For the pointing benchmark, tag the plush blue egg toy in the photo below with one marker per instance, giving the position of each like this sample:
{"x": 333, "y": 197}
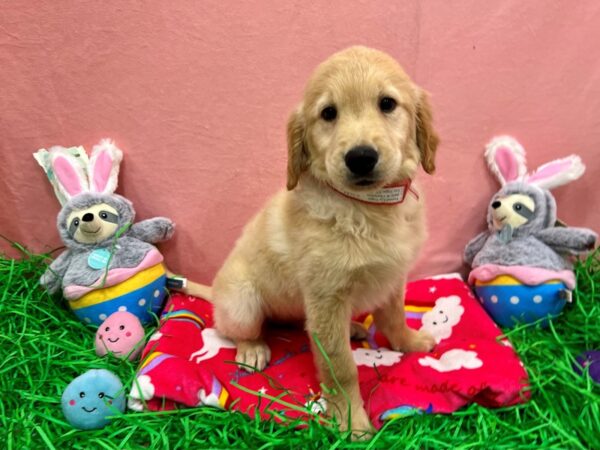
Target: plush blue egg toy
{"x": 91, "y": 398}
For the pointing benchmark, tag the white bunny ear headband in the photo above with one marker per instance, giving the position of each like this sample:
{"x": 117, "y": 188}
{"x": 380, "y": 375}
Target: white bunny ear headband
{"x": 71, "y": 172}
{"x": 506, "y": 159}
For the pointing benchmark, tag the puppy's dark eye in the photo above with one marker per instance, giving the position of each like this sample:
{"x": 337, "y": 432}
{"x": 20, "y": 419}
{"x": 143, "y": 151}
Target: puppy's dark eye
{"x": 387, "y": 104}
{"x": 121, "y": 327}
{"x": 329, "y": 114}
{"x": 101, "y": 395}
{"x": 81, "y": 394}
{"x": 107, "y": 329}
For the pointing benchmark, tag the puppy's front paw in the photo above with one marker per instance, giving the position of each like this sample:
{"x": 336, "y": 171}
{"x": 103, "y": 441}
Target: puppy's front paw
{"x": 359, "y": 422}
{"x": 253, "y": 355}
{"x": 416, "y": 341}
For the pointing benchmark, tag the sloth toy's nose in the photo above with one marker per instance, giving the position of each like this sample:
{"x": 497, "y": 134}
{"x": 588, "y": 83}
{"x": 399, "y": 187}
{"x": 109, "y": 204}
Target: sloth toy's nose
{"x": 495, "y": 205}
{"x": 87, "y": 217}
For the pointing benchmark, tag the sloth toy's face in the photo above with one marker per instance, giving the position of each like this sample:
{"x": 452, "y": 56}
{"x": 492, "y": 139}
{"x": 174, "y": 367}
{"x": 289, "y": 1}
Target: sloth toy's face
{"x": 94, "y": 224}
{"x": 514, "y": 210}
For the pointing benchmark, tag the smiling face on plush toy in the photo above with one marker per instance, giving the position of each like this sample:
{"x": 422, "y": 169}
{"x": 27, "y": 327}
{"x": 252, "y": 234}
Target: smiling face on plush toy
{"x": 91, "y": 398}
{"x": 90, "y": 219}
{"x": 94, "y": 224}
{"x": 121, "y": 334}
{"x": 514, "y": 210}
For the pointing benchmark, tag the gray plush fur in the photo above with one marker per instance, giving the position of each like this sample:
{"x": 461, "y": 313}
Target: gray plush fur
{"x": 128, "y": 249}
{"x": 537, "y": 243}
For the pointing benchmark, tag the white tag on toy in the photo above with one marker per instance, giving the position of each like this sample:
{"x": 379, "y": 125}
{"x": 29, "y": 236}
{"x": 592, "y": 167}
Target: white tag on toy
{"x": 99, "y": 258}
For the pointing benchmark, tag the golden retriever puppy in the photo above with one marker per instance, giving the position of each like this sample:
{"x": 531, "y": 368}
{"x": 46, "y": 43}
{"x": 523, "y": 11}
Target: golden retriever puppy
{"x": 342, "y": 237}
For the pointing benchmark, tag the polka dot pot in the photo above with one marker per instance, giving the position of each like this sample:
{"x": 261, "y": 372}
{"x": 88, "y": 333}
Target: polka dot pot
{"x": 510, "y": 302}
{"x": 141, "y": 295}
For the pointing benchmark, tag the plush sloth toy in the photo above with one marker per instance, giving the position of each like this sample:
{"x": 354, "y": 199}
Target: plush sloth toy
{"x": 521, "y": 266}
{"x": 109, "y": 263}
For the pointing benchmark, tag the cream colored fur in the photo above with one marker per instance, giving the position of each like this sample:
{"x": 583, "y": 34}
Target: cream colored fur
{"x": 311, "y": 254}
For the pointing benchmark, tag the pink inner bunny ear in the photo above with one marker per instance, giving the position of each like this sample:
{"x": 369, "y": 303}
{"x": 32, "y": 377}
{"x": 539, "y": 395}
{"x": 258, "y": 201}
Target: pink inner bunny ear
{"x": 104, "y": 167}
{"x": 506, "y": 159}
{"x": 557, "y": 172}
{"x": 101, "y": 174}
{"x": 549, "y": 170}
{"x": 67, "y": 175}
{"x": 507, "y": 164}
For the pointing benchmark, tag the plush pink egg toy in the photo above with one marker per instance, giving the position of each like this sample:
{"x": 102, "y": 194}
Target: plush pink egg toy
{"x": 121, "y": 334}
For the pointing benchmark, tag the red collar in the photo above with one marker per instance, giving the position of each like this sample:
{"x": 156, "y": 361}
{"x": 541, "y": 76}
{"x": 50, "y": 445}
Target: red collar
{"x": 391, "y": 194}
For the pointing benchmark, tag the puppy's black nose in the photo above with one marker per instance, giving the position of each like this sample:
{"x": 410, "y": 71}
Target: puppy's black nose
{"x": 361, "y": 159}
{"x": 496, "y": 204}
{"x": 87, "y": 217}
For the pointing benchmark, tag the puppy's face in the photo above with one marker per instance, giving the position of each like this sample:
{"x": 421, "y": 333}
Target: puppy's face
{"x": 362, "y": 125}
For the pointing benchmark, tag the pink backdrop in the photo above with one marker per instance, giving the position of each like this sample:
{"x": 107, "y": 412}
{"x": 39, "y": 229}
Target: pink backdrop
{"x": 197, "y": 94}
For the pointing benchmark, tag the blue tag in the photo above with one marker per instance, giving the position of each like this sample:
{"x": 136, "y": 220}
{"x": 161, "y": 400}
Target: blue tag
{"x": 98, "y": 259}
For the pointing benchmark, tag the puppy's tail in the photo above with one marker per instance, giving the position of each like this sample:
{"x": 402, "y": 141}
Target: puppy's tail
{"x": 182, "y": 284}
{"x": 198, "y": 290}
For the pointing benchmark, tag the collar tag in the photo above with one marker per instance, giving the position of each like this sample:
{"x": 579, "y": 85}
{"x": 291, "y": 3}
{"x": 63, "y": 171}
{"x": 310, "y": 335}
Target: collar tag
{"x": 388, "y": 195}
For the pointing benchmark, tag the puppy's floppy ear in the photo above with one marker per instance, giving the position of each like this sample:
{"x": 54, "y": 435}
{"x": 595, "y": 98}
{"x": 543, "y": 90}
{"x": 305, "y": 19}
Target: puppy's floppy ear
{"x": 297, "y": 153}
{"x": 427, "y": 138}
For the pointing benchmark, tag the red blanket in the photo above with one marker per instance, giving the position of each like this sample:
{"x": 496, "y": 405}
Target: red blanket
{"x": 186, "y": 363}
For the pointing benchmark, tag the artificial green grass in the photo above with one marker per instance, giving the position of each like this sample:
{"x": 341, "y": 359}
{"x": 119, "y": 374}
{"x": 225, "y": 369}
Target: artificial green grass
{"x": 43, "y": 347}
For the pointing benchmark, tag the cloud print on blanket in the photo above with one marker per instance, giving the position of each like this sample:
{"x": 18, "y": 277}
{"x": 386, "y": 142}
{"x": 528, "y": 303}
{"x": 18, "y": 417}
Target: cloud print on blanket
{"x": 375, "y": 357}
{"x": 212, "y": 343}
{"x": 142, "y": 391}
{"x": 454, "y": 359}
{"x": 445, "y": 314}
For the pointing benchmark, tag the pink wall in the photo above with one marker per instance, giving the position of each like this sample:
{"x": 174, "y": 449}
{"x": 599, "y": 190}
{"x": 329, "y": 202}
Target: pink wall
{"x": 197, "y": 94}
